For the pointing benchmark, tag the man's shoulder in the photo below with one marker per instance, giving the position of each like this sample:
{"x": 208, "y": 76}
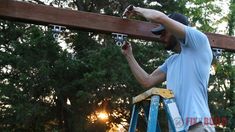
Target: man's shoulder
{"x": 195, "y": 31}
{"x": 195, "y": 39}
{"x": 172, "y": 57}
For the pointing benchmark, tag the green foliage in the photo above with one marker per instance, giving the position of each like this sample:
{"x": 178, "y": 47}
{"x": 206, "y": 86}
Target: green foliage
{"x": 26, "y": 60}
{"x": 38, "y": 78}
{"x": 222, "y": 95}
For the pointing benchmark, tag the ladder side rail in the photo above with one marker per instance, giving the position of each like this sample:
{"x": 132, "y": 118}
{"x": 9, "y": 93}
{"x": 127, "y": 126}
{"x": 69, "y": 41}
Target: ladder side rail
{"x": 153, "y": 114}
{"x": 134, "y": 118}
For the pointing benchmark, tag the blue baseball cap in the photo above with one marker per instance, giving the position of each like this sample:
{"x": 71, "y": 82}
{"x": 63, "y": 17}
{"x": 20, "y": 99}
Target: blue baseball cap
{"x": 175, "y": 16}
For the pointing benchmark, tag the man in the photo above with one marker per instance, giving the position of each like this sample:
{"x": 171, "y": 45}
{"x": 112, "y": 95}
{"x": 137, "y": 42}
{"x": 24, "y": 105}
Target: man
{"x": 186, "y": 72}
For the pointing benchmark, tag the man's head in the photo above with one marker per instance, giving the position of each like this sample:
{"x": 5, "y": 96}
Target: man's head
{"x": 165, "y": 35}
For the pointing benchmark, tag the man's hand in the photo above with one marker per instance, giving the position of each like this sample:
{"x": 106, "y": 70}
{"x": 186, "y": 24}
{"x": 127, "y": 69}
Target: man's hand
{"x": 126, "y": 49}
{"x": 129, "y": 11}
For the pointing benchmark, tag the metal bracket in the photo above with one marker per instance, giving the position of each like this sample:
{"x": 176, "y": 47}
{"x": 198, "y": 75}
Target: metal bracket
{"x": 56, "y": 29}
{"x": 217, "y": 52}
{"x": 119, "y": 38}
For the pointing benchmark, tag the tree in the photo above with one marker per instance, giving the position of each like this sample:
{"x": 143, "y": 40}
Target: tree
{"x": 223, "y": 84}
{"x": 27, "y": 57}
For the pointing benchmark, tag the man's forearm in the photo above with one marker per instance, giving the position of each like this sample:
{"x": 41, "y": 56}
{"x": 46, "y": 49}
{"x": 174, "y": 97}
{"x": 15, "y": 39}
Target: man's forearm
{"x": 150, "y": 14}
{"x": 139, "y": 73}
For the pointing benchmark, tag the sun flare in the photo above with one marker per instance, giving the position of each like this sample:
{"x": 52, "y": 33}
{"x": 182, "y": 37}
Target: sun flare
{"x": 102, "y": 115}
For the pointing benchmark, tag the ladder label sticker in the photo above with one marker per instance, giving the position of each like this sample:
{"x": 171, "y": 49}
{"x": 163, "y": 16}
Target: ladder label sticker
{"x": 175, "y": 116}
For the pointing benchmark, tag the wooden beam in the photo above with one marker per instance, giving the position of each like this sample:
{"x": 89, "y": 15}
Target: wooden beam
{"x": 222, "y": 41}
{"x": 46, "y": 15}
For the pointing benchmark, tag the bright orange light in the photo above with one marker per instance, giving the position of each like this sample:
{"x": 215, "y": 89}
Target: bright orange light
{"x": 117, "y": 128}
{"x": 102, "y": 115}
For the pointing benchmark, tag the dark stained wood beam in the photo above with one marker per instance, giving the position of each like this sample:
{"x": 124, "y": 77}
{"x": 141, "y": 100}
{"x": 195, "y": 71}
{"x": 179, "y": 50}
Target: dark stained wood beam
{"x": 222, "y": 41}
{"x": 46, "y": 15}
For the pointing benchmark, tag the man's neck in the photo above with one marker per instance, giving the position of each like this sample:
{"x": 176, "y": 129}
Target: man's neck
{"x": 177, "y": 48}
